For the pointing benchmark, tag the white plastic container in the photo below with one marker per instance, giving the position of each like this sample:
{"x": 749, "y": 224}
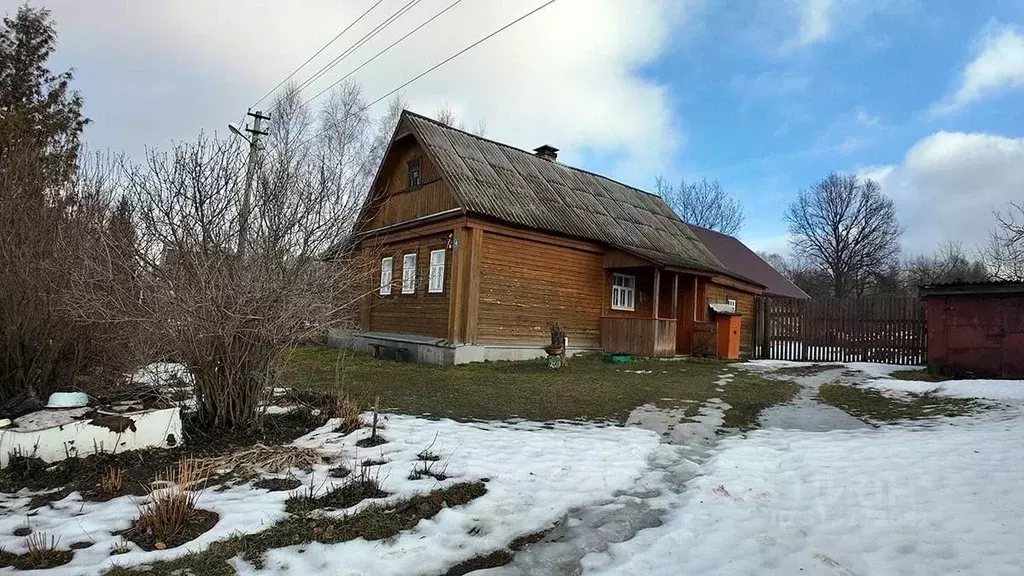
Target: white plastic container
{"x": 68, "y": 400}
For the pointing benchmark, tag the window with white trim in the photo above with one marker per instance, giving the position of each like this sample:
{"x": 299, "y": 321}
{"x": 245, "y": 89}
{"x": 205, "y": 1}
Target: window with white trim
{"x": 386, "y": 275}
{"x": 409, "y": 273}
{"x": 436, "y": 283}
{"x": 623, "y": 292}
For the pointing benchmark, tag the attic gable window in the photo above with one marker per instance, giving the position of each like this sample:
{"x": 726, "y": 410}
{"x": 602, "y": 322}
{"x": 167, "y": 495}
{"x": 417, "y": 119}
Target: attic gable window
{"x": 623, "y": 292}
{"x": 414, "y": 174}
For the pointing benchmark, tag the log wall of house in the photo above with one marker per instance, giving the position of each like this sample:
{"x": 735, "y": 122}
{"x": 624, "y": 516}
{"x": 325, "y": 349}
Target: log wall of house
{"x": 719, "y": 293}
{"x": 643, "y": 298}
{"x": 421, "y": 313}
{"x": 394, "y": 202}
{"x": 527, "y": 284}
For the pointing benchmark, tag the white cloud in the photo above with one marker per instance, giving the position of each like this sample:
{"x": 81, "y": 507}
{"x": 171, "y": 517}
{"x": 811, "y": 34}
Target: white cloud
{"x": 814, "y": 21}
{"x": 569, "y": 76}
{"x": 865, "y": 119}
{"x": 998, "y": 65}
{"x": 948, "y": 185}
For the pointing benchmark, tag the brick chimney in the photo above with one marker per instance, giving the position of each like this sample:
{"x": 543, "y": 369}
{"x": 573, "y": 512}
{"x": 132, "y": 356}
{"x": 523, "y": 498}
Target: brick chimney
{"x": 549, "y": 153}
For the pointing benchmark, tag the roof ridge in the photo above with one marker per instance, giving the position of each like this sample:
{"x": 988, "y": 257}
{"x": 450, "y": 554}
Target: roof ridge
{"x": 511, "y": 147}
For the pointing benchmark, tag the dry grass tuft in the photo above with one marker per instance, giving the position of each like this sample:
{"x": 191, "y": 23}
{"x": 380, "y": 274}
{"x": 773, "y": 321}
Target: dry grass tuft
{"x": 171, "y": 517}
{"x": 347, "y": 410}
{"x": 112, "y": 481}
{"x": 42, "y": 553}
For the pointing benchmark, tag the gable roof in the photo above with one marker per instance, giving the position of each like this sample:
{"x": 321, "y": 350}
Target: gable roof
{"x": 515, "y": 186}
{"x": 742, "y": 260}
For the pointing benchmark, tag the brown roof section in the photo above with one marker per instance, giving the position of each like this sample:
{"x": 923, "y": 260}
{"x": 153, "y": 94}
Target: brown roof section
{"x": 741, "y": 260}
{"x": 515, "y": 186}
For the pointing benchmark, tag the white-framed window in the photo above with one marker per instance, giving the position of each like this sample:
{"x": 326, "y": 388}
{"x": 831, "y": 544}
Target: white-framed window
{"x": 623, "y": 292}
{"x": 409, "y": 273}
{"x": 436, "y": 283}
{"x": 386, "y": 275}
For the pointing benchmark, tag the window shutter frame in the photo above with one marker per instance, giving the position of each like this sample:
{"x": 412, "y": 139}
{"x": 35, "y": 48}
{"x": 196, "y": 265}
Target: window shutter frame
{"x": 387, "y": 275}
{"x": 435, "y": 283}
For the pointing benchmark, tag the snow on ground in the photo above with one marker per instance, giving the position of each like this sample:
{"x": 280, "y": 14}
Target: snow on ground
{"x": 1002, "y": 390}
{"x": 536, "y": 474}
{"x": 938, "y": 500}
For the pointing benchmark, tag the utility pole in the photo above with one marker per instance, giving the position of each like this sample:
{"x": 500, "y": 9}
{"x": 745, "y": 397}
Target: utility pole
{"x": 250, "y": 173}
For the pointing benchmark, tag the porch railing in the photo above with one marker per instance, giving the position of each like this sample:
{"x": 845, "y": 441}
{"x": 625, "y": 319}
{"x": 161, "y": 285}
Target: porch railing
{"x": 639, "y": 336}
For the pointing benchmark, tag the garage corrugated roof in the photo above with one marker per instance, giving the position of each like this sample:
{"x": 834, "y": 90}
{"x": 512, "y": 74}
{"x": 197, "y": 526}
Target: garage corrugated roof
{"x": 496, "y": 180}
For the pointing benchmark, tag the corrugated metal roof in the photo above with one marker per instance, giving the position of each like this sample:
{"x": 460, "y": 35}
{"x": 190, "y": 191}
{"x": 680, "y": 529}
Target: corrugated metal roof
{"x": 516, "y": 186}
{"x": 742, "y": 261}
{"x": 972, "y": 288}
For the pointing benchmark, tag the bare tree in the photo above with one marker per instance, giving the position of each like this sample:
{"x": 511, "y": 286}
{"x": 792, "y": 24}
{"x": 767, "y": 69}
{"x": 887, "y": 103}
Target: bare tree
{"x": 703, "y": 203}
{"x": 950, "y": 264}
{"x": 1004, "y": 254}
{"x": 229, "y": 315}
{"x": 445, "y": 115}
{"x": 846, "y": 228}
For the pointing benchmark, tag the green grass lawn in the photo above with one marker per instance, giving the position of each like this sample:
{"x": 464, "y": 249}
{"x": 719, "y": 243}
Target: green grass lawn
{"x": 873, "y": 405}
{"x": 587, "y": 388}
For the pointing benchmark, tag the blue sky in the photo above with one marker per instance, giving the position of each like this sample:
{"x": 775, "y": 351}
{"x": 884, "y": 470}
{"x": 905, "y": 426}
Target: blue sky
{"x": 767, "y": 96}
{"x": 767, "y": 118}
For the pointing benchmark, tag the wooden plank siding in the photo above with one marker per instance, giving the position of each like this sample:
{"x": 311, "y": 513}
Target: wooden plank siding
{"x": 393, "y": 202}
{"x": 643, "y": 336}
{"x": 420, "y": 313}
{"x": 643, "y": 305}
{"x": 526, "y": 284}
{"x": 717, "y": 293}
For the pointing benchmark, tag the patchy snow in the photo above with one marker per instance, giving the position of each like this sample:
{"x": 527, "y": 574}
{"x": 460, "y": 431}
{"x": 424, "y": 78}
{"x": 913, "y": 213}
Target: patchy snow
{"x": 163, "y": 374}
{"x": 1001, "y": 390}
{"x": 49, "y": 418}
{"x": 900, "y": 500}
{"x": 536, "y": 473}
{"x": 876, "y": 370}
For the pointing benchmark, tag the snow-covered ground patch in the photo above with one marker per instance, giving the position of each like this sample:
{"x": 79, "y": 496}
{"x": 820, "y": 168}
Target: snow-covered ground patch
{"x": 943, "y": 499}
{"x": 535, "y": 474}
{"x": 1000, "y": 390}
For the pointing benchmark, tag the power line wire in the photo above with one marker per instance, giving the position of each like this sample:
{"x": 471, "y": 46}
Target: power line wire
{"x": 318, "y": 52}
{"x": 463, "y": 51}
{"x": 358, "y": 44}
{"x": 382, "y": 52}
{"x": 445, "y": 61}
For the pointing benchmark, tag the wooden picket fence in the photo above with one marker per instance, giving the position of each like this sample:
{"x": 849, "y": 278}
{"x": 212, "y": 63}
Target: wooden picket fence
{"x": 887, "y": 329}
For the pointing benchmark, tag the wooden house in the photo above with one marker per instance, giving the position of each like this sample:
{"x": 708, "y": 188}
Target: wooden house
{"x": 479, "y": 247}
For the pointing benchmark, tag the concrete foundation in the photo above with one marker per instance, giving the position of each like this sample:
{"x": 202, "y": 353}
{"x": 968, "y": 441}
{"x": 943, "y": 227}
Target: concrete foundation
{"x": 427, "y": 350}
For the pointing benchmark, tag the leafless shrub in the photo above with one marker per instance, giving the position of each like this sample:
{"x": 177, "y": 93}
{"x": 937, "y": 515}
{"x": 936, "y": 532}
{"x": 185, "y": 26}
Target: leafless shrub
{"x": 227, "y": 302}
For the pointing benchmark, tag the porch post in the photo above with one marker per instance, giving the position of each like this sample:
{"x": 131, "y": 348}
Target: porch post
{"x": 657, "y": 291}
{"x": 675, "y": 295}
{"x": 694, "y": 311}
